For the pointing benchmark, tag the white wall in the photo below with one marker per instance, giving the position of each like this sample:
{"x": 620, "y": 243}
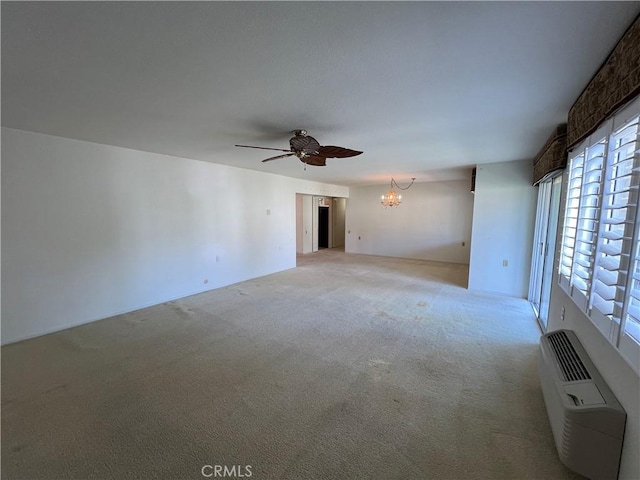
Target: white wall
{"x": 623, "y": 381}
{"x": 92, "y": 230}
{"x": 503, "y": 224}
{"x": 431, "y": 224}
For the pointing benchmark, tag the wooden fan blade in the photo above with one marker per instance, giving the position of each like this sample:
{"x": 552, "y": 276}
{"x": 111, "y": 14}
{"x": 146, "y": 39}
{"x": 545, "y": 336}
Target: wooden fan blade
{"x": 264, "y": 148}
{"x": 331, "y": 151}
{"x": 277, "y": 157}
{"x": 304, "y": 144}
{"x": 314, "y": 160}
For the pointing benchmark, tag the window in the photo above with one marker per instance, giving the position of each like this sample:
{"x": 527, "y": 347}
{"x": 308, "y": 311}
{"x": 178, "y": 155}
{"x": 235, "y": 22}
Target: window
{"x": 599, "y": 263}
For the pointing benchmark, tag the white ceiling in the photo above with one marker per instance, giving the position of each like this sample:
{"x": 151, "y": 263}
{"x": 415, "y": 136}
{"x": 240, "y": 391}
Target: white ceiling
{"x": 425, "y": 89}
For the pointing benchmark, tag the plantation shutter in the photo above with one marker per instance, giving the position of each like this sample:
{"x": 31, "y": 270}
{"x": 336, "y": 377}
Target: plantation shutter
{"x": 588, "y": 214}
{"x": 632, "y": 319}
{"x": 628, "y": 157}
{"x": 576, "y": 166}
{"x": 599, "y": 265}
{"x": 617, "y": 224}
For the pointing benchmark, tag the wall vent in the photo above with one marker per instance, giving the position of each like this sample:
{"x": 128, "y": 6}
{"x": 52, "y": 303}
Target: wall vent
{"x": 568, "y": 360}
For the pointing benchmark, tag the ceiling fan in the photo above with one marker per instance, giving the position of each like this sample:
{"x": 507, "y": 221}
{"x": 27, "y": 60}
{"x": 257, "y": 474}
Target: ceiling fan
{"x": 308, "y": 150}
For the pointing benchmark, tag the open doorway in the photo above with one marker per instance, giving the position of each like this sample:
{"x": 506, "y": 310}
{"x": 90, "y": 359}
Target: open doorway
{"x": 320, "y": 223}
{"x": 323, "y": 226}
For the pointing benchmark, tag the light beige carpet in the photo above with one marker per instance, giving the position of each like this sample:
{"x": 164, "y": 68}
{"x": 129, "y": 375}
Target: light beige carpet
{"x": 347, "y": 367}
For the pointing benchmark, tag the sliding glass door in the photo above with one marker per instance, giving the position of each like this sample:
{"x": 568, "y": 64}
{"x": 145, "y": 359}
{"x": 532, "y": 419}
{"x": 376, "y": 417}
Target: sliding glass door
{"x": 543, "y": 247}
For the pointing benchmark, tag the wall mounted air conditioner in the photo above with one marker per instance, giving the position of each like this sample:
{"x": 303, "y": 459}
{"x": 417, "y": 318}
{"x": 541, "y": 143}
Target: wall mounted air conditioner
{"x": 586, "y": 419}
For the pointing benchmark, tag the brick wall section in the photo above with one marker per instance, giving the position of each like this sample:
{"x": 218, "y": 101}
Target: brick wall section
{"x": 553, "y": 155}
{"x": 616, "y": 82}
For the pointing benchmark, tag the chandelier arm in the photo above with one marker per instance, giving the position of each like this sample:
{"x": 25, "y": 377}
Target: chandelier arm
{"x": 399, "y": 187}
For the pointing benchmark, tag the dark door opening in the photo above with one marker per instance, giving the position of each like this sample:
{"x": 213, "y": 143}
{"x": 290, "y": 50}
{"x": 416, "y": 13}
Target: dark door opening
{"x": 323, "y": 227}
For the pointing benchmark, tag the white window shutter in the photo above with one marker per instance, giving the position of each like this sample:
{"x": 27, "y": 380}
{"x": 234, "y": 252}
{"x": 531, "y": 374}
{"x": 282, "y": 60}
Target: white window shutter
{"x": 574, "y": 187}
{"x": 599, "y": 263}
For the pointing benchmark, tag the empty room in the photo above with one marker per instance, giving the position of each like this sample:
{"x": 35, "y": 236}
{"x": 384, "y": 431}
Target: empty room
{"x": 320, "y": 240}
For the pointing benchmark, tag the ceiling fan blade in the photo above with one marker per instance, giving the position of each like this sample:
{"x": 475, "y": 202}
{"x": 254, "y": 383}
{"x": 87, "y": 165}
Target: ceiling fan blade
{"x": 277, "y": 157}
{"x": 264, "y": 148}
{"x": 331, "y": 151}
{"x": 314, "y": 160}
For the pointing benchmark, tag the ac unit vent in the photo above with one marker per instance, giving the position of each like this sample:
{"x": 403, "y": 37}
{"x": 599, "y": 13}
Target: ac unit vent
{"x": 569, "y": 361}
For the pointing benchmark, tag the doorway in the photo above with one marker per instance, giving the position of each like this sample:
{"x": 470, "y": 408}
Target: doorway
{"x": 323, "y": 226}
{"x": 544, "y": 247}
{"x": 320, "y": 223}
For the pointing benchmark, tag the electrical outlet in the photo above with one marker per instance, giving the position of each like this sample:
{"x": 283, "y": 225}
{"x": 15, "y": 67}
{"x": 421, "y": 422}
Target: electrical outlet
{"x": 505, "y": 263}
{"x": 562, "y": 314}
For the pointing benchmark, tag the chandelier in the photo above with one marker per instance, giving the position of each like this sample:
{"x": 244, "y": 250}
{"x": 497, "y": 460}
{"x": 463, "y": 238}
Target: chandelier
{"x": 391, "y": 198}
